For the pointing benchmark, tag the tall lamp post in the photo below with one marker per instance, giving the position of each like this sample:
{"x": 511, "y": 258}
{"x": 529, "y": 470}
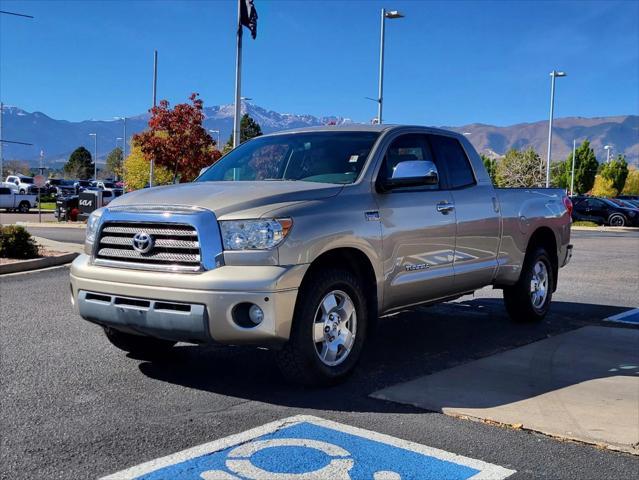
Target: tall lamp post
{"x": 607, "y": 148}
{"x": 572, "y": 175}
{"x": 217, "y": 132}
{"x": 123, "y": 144}
{"x": 95, "y": 155}
{"x": 391, "y": 14}
{"x": 554, "y": 74}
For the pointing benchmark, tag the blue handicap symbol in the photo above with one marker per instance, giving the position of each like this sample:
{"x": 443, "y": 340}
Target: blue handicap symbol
{"x": 321, "y": 450}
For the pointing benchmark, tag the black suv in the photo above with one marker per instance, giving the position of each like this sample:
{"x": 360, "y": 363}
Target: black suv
{"x": 603, "y": 211}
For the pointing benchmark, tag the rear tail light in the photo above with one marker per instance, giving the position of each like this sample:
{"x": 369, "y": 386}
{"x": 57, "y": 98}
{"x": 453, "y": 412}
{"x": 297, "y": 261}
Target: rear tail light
{"x": 568, "y": 205}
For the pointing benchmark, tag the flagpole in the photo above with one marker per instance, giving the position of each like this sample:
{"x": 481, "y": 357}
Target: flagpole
{"x": 238, "y": 78}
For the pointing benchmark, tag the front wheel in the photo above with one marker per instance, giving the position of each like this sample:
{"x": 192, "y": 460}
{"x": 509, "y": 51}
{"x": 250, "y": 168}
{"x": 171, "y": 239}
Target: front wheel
{"x": 138, "y": 345}
{"x": 617, "y": 220}
{"x": 529, "y": 299}
{"x": 329, "y": 328}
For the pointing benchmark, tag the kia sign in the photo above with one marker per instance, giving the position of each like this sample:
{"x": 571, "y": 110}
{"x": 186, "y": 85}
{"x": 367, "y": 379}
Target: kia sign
{"x": 89, "y": 201}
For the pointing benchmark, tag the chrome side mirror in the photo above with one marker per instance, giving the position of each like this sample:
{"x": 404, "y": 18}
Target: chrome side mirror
{"x": 413, "y": 173}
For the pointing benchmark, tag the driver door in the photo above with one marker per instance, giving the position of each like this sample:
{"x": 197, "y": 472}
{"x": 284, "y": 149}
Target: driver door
{"x": 418, "y": 233}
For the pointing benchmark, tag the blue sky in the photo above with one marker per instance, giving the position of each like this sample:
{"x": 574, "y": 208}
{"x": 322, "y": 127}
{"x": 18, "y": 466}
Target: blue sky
{"x": 447, "y": 63}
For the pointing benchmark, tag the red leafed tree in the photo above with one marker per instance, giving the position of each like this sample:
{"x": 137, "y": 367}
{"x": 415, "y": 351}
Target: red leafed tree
{"x": 177, "y": 140}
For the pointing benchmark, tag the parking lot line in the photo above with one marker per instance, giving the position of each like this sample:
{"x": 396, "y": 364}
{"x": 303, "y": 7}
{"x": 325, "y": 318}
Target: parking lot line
{"x": 629, "y": 316}
{"x": 306, "y": 447}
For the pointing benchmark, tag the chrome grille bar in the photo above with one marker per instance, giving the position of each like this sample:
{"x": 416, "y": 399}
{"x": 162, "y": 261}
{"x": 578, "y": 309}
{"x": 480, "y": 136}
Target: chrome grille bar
{"x": 160, "y": 242}
{"x": 171, "y": 231}
{"x": 121, "y": 253}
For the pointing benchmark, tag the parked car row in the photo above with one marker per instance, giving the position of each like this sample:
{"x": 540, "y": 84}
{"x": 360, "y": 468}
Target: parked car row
{"x": 615, "y": 212}
{"x": 22, "y": 184}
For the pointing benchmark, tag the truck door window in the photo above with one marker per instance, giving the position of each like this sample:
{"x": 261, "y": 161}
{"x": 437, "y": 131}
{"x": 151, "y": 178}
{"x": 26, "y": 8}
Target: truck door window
{"x": 406, "y": 148}
{"x": 5, "y": 191}
{"x": 449, "y": 152}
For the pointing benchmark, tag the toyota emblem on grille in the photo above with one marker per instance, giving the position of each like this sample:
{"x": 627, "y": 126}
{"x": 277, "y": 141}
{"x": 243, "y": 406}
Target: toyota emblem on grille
{"x": 142, "y": 242}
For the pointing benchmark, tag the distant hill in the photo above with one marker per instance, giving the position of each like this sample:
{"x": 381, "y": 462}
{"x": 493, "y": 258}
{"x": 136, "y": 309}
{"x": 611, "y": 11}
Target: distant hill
{"x": 622, "y": 132}
{"x": 58, "y": 138}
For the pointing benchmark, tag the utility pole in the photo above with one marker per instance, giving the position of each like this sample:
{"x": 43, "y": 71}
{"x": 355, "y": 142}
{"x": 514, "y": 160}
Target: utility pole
{"x": 1, "y": 143}
{"x": 553, "y": 75}
{"x": 572, "y": 176}
{"x": 238, "y": 78}
{"x": 155, "y": 86}
{"x": 380, "y": 92}
{"x": 95, "y": 155}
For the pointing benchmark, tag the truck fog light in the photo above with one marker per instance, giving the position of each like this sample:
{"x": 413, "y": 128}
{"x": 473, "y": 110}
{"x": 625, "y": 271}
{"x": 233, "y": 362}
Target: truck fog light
{"x": 256, "y": 314}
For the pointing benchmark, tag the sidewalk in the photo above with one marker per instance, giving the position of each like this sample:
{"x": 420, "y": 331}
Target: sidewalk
{"x": 582, "y": 385}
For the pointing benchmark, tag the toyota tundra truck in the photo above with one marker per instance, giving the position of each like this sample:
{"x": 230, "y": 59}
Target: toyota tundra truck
{"x": 300, "y": 240}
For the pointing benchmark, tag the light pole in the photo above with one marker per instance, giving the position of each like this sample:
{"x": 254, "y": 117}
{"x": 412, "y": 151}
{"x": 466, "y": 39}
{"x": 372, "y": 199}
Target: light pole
{"x": 218, "y": 137}
{"x": 123, "y": 145}
{"x": 572, "y": 175}
{"x": 553, "y": 75}
{"x": 380, "y": 93}
{"x": 95, "y": 155}
{"x": 607, "y": 148}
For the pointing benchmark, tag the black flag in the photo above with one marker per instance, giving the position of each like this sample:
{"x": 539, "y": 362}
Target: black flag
{"x": 248, "y": 16}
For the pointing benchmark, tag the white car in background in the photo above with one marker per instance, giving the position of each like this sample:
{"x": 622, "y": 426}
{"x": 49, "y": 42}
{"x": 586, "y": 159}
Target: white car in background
{"x": 23, "y": 183}
{"x": 12, "y": 201}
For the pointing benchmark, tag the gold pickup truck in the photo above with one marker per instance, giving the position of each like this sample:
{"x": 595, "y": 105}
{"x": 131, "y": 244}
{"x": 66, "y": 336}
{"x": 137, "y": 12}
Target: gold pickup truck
{"x": 300, "y": 240}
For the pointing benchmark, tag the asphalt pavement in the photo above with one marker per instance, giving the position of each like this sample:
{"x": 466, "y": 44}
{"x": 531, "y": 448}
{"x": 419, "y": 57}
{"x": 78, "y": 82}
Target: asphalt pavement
{"x": 73, "y": 406}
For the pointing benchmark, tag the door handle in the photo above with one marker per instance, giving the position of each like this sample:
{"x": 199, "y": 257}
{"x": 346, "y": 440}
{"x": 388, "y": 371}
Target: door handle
{"x": 445, "y": 207}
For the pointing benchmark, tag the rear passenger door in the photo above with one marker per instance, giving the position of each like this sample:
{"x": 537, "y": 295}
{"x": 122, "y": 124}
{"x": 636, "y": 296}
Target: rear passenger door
{"x": 477, "y": 216}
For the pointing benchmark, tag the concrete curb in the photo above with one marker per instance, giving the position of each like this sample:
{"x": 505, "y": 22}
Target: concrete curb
{"x": 37, "y": 263}
{"x": 607, "y": 229}
{"x": 52, "y": 224}
{"x": 71, "y": 250}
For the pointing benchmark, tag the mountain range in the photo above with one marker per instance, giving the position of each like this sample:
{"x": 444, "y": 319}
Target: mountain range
{"x": 58, "y": 138}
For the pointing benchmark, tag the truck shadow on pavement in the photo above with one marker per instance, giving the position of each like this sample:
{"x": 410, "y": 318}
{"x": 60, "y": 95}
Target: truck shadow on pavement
{"x": 408, "y": 345}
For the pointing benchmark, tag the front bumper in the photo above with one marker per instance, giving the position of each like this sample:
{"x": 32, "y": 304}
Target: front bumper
{"x": 188, "y": 307}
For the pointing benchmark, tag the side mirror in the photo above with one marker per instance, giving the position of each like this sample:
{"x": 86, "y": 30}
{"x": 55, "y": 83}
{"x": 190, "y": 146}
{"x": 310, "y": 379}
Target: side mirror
{"x": 412, "y": 173}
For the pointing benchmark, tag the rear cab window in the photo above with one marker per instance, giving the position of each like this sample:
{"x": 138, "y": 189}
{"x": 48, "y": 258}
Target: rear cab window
{"x": 452, "y": 156}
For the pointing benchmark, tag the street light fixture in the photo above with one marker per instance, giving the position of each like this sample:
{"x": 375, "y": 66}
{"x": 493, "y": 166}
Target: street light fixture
{"x": 607, "y": 148}
{"x": 218, "y": 137}
{"x": 95, "y": 155}
{"x": 554, "y": 74}
{"x": 390, "y": 14}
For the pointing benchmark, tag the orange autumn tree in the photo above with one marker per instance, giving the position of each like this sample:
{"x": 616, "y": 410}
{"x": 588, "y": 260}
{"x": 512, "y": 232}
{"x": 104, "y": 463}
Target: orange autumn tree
{"x": 177, "y": 140}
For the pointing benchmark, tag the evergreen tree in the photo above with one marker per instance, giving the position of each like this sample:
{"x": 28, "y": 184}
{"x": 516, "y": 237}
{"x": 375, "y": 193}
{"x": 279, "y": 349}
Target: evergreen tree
{"x": 249, "y": 128}
{"x": 80, "y": 164}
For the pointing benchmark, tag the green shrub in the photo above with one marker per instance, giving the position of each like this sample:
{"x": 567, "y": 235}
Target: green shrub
{"x": 16, "y": 242}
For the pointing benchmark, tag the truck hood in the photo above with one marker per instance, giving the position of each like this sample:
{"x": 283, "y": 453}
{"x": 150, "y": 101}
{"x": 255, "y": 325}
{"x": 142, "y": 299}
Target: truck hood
{"x": 224, "y": 198}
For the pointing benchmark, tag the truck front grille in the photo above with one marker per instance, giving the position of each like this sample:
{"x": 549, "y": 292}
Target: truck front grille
{"x": 175, "y": 247}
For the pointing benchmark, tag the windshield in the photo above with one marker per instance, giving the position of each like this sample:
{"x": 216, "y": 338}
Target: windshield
{"x": 328, "y": 157}
{"x": 28, "y": 180}
{"x": 109, "y": 185}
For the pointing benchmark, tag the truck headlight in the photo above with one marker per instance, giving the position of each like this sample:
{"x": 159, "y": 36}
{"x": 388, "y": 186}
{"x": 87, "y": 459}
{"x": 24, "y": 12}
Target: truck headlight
{"x": 259, "y": 234}
{"x": 93, "y": 224}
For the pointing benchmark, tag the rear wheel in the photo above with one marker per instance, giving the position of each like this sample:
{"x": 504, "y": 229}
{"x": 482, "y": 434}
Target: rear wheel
{"x": 328, "y": 329}
{"x": 24, "y": 207}
{"x": 529, "y": 299}
{"x": 138, "y": 345}
{"x": 617, "y": 220}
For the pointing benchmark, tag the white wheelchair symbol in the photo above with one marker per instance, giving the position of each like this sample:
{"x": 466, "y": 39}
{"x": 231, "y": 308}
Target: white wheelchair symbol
{"x": 239, "y": 462}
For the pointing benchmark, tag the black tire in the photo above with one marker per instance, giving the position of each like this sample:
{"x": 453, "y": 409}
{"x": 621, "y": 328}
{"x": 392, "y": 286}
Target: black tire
{"x": 138, "y": 345}
{"x": 617, "y": 220}
{"x": 299, "y": 360}
{"x": 519, "y": 300}
{"x": 24, "y": 207}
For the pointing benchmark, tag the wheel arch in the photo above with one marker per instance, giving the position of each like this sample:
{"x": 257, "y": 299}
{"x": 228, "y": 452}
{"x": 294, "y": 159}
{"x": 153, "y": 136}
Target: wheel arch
{"x": 546, "y": 238}
{"x": 357, "y": 262}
